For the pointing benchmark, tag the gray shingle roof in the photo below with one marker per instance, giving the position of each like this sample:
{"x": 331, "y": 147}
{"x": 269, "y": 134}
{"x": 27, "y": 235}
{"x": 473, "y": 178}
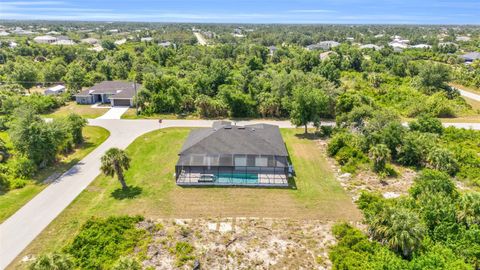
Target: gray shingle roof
{"x": 471, "y": 56}
{"x": 120, "y": 89}
{"x": 225, "y": 139}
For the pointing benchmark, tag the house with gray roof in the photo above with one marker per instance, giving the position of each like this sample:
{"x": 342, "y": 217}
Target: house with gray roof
{"x": 470, "y": 57}
{"x": 117, "y": 93}
{"x": 231, "y": 155}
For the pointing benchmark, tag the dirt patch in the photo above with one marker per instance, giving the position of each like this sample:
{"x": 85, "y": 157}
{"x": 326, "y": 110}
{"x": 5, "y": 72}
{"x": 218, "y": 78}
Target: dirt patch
{"x": 367, "y": 180}
{"x": 240, "y": 243}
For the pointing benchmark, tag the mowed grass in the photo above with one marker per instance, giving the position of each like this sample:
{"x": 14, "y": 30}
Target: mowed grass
{"x": 13, "y": 200}
{"x": 72, "y": 107}
{"x": 155, "y": 195}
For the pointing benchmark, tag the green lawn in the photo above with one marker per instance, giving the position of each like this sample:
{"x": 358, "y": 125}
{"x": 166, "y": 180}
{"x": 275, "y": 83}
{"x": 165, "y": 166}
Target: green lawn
{"x": 72, "y": 107}
{"x": 13, "y": 200}
{"x": 155, "y": 195}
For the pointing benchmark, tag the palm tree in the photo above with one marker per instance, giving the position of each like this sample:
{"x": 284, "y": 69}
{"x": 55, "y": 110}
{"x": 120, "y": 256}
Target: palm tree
{"x": 114, "y": 162}
{"x": 380, "y": 154}
{"x": 399, "y": 229}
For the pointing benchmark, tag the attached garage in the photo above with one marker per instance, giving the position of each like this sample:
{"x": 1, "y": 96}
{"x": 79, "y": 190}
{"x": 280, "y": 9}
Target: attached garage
{"x": 121, "y": 102}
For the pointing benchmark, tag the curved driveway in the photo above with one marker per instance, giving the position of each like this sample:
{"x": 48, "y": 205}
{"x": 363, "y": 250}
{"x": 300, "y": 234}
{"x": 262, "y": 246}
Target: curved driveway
{"x": 22, "y": 227}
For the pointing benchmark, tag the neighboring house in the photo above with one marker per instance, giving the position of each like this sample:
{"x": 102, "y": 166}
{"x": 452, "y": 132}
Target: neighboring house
{"x": 326, "y": 55}
{"x": 272, "y": 50}
{"x": 55, "y": 90}
{"x": 45, "y": 39}
{"x": 470, "y": 57}
{"x": 421, "y": 46}
{"x": 91, "y": 41}
{"x": 146, "y": 39}
{"x": 64, "y": 42}
{"x": 324, "y": 45}
{"x": 166, "y": 44}
{"x": 370, "y": 46}
{"x": 117, "y": 93}
{"x": 463, "y": 38}
{"x": 120, "y": 41}
{"x": 4, "y": 33}
{"x": 398, "y": 44}
{"x": 231, "y": 155}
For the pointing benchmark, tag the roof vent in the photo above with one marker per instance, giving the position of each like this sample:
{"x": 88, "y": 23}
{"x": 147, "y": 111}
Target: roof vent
{"x": 253, "y": 129}
{"x": 241, "y": 127}
{"x": 228, "y": 127}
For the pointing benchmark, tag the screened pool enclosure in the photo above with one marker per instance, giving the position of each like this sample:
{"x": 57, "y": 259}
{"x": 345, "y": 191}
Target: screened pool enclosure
{"x": 226, "y": 155}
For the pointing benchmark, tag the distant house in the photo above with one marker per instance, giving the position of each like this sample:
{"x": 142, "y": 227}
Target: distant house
{"x": 4, "y": 33}
{"x": 326, "y": 55}
{"x": 117, "y": 93}
{"x": 324, "y": 45}
{"x": 230, "y": 155}
{"x": 166, "y": 44}
{"x": 146, "y": 39}
{"x": 370, "y": 46}
{"x": 421, "y": 46}
{"x": 470, "y": 57}
{"x": 272, "y": 50}
{"x": 45, "y": 39}
{"x": 91, "y": 41}
{"x": 120, "y": 41}
{"x": 463, "y": 38}
{"x": 65, "y": 42}
{"x": 398, "y": 45}
{"x": 55, "y": 90}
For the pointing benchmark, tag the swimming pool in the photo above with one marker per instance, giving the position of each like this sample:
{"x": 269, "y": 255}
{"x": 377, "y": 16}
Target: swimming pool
{"x": 236, "y": 178}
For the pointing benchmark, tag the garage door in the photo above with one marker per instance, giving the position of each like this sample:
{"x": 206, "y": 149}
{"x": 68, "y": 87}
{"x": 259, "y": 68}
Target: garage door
{"x": 121, "y": 102}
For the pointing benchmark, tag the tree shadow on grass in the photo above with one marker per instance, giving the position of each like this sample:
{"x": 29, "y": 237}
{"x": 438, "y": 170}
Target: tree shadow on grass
{"x": 129, "y": 193}
{"x": 307, "y": 136}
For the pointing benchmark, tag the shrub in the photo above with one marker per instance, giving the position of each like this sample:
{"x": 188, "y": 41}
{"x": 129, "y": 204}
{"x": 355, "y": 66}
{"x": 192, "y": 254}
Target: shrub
{"x": 431, "y": 181}
{"x": 427, "y": 123}
{"x": 127, "y": 263}
{"x": 54, "y": 261}
{"x": 22, "y": 167}
{"x": 101, "y": 242}
{"x": 338, "y": 141}
{"x": 183, "y": 253}
{"x": 442, "y": 160}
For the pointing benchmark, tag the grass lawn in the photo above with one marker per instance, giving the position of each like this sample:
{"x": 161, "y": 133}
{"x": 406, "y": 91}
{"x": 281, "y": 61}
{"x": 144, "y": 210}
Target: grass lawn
{"x": 13, "y": 200}
{"x": 154, "y": 193}
{"x": 72, "y": 107}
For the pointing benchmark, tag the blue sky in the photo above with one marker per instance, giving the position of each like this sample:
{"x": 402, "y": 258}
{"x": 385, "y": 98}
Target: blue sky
{"x": 250, "y": 11}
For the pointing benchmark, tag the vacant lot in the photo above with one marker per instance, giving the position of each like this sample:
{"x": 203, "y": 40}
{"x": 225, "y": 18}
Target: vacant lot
{"x": 154, "y": 194}
{"x": 84, "y": 110}
{"x": 11, "y": 201}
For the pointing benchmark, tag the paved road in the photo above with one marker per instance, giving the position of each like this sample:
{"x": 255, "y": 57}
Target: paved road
{"x": 22, "y": 227}
{"x": 468, "y": 94}
{"x": 114, "y": 113}
{"x": 201, "y": 40}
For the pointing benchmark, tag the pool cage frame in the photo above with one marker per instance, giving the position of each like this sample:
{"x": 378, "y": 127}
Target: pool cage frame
{"x": 232, "y": 170}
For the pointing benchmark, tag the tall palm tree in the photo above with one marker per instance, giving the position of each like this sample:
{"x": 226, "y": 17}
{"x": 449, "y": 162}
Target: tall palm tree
{"x": 380, "y": 154}
{"x": 114, "y": 162}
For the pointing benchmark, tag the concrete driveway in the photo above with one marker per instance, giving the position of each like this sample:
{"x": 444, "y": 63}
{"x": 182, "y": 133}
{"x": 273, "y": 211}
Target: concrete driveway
{"x": 23, "y": 226}
{"x": 114, "y": 113}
